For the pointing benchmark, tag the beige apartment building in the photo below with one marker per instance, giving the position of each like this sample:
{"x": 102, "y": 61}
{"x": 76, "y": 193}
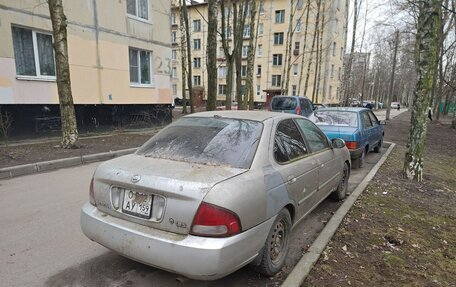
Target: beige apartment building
{"x": 119, "y": 56}
{"x": 270, "y": 51}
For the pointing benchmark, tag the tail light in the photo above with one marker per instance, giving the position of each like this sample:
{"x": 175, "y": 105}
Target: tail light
{"x": 91, "y": 194}
{"x": 298, "y": 110}
{"x": 351, "y": 145}
{"x": 214, "y": 221}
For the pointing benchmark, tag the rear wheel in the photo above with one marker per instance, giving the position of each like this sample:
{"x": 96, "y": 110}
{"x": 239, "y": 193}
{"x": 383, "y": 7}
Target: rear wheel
{"x": 359, "y": 162}
{"x": 379, "y": 146}
{"x": 341, "y": 192}
{"x": 275, "y": 249}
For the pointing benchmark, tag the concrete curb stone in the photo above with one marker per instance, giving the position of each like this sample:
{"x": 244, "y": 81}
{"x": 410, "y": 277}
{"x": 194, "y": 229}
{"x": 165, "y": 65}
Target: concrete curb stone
{"x": 25, "y": 169}
{"x": 308, "y": 260}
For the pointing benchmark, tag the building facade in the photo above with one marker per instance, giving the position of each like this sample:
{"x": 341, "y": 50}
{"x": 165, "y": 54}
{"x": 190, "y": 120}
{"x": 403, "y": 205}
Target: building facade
{"x": 325, "y": 73}
{"x": 119, "y": 56}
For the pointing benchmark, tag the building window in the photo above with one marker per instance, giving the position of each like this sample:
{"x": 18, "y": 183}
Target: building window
{"x": 243, "y": 71}
{"x": 197, "y": 80}
{"x": 174, "y": 73}
{"x": 279, "y": 16}
{"x": 222, "y": 90}
{"x": 295, "y": 69}
{"x": 262, "y": 7}
{"x": 276, "y": 79}
{"x": 300, "y": 4}
{"x": 227, "y": 32}
{"x": 222, "y": 72}
{"x": 245, "y": 51}
{"x": 247, "y": 31}
{"x": 330, "y": 91}
{"x": 334, "y": 49}
{"x": 293, "y": 90}
{"x": 140, "y": 68}
{"x": 173, "y": 37}
{"x": 221, "y": 53}
{"x": 297, "y": 44}
{"x": 173, "y": 18}
{"x": 196, "y": 25}
{"x": 138, "y": 8}
{"x": 341, "y": 53}
{"x": 332, "y": 71}
{"x": 174, "y": 89}
{"x": 277, "y": 59}
{"x": 278, "y": 38}
{"x": 197, "y": 63}
{"x": 260, "y": 29}
{"x": 174, "y": 54}
{"x": 298, "y": 26}
{"x": 33, "y": 53}
{"x": 260, "y": 50}
{"x": 259, "y": 70}
{"x": 258, "y": 90}
{"x": 197, "y": 44}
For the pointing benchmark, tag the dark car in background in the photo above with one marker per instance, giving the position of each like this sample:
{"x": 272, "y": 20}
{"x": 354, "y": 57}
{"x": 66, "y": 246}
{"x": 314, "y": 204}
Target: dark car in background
{"x": 292, "y": 104}
{"x": 359, "y": 127}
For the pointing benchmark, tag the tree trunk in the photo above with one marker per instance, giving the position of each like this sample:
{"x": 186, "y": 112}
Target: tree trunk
{"x": 183, "y": 60}
{"x": 288, "y": 44}
{"x": 391, "y": 86}
{"x": 317, "y": 23}
{"x": 189, "y": 53}
{"x": 251, "y": 56}
{"x": 320, "y": 53}
{"x": 240, "y": 11}
{"x": 304, "y": 47}
{"x": 228, "y": 55}
{"x": 67, "y": 114}
{"x": 429, "y": 22}
{"x": 211, "y": 51}
{"x": 348, "y": 71}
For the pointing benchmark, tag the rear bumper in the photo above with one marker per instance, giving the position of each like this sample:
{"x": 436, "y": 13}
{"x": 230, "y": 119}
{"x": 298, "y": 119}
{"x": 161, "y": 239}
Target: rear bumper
{"x": 356, "y": 153}
{"x": 192, "y": 256}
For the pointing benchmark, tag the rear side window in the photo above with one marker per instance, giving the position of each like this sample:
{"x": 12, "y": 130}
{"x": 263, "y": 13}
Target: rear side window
{"x": 373, "y": 118}
{"x": 367, "y": 124}
{"x": 214, "y": 141}
{"x": 288, "y": 142}
{"x": 283, "y": 103}
{"x": 315, "y": 137}
{"x": 306, "y": 106}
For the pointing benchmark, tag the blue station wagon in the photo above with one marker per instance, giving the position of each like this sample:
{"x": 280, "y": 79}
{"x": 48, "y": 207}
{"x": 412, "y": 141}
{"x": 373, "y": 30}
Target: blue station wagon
{"x": 359, "y": 127}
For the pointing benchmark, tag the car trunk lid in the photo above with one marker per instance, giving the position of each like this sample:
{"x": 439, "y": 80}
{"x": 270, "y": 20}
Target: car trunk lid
{"x": 176, "y": 187}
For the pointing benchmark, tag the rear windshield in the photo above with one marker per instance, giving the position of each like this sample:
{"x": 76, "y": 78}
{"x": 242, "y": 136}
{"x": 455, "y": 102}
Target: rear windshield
{"x": 336, "y": 118}
{"x": 213, "y": 141}
{"x": 283, "y": 104}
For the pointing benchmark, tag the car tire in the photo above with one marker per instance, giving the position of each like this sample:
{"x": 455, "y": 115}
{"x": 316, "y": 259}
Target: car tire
{"x": 275, "y": 250}
{"x": 359, "y": 162}
{"x": 378, "y": 148}
{"x": 341, "y": 192}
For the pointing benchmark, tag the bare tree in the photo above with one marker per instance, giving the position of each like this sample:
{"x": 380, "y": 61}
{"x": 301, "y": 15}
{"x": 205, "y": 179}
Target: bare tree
{"x": 348, "y": 68}
{"x": 184, "y": 11}
{"x": 211, "y": 55}
{"x": 67, "y": 113}
{"x": 251, "y": 54}
{"x": 5, "y": 124}
{"x": 312, "y": 49}
{"x": 303, "y": 55}
{"x": 183, "y": 51}
{"x": 240, "y": 11}
{"x": 428, "y": 49}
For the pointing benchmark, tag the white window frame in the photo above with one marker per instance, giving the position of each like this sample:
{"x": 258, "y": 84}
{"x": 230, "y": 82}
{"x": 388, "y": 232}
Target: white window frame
{"x": 220, "y": 89}
{"x": 197, "y": 24}
{"x": 174, "y": 87}
{"x": 173, "y": 18}
{"x": 260, "y": 50}
{"x": 173, "y": 37}
{"x": 278, "y": 79}
{"x": 139, "y": 84}
{"x": 258, "y": 90}
{"x": 298, "y": 26}
{"x": 136, "y": 17}
{"x": 260, "y": 29}
{"x": 174, "y": 54}
{"x": 174, "y": 73}
{"x": 245, "y": 51}
{"x": 221, "y": 72}
{"x": 199, "y": 80}
{"x": 295, "y": 69}
{"x": 244, "y": 71}
{"x": 246, "y": 33}
{"x": 277, "y": 59}
{"x": 37, "y": 59}
{"x": 194, "y": 44}
{"x": 281, "y": 13}
{"x": 197, "y": 62}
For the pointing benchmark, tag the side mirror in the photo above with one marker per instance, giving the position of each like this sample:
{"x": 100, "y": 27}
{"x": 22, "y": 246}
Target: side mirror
{"x": 383, "y": 122}
{"x": 338, "y": 143}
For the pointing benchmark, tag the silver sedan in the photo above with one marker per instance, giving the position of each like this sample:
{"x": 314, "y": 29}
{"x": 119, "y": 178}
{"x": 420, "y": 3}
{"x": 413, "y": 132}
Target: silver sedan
{"x": 215, "y": 191}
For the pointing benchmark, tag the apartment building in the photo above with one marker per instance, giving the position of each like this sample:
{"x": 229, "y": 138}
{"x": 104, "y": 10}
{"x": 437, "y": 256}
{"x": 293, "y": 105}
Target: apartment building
{"x": 273, "y": 25}
{"x": 119, "y": 56}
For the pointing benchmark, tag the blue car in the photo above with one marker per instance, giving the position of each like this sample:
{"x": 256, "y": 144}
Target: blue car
{"x": 292, "y": 104}
{"x": 359, "y": 127}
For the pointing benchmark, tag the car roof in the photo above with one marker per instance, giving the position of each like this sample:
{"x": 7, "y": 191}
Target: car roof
{"x": 245, "y": 115}
{"x": 344, "y": 109}
{"x": 286, "y": 96}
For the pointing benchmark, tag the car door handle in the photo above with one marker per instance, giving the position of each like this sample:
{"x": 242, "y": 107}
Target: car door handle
{"x": 291, "y": 180}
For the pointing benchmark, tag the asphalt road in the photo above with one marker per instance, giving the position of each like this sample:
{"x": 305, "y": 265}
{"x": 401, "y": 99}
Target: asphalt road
{"x": 41, "y": 243}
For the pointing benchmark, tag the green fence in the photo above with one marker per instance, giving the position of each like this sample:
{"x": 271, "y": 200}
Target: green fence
{"x": 451, "y": 107}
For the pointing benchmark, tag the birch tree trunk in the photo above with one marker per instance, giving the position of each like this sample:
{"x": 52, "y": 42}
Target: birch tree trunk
{"x": 348, "y": 70}
{"x": 317, "y": 23}
{"x": 67, "y": 113}
{"x": 429, "y": 22}
{"x": 251, "y": 55}
{"x": 304, "y": 47}
{"x": 211, "y": 50}
{"x": 240, "y": 11}
{"x": 183, "y": 59}
{"x": 189, "y": 53}
{"x": 288, "y": 44}
{"x": 226, "y": 50}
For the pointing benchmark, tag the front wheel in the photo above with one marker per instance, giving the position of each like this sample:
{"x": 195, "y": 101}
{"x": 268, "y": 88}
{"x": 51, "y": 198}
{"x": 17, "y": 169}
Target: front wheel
{"x": 275, "y": 249}
{"x": 341, "y": 192}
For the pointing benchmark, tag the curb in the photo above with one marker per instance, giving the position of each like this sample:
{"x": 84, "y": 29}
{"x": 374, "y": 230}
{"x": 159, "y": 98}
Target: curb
{"x": 25, "y": 169}
{"x": 308, "y": 260}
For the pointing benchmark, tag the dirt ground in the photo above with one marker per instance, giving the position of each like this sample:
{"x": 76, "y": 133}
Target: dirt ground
{"x": 399, "y": 232}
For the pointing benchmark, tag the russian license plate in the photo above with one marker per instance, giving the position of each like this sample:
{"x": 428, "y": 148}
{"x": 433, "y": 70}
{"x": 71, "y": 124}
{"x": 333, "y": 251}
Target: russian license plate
{"x": 137, "y": 204}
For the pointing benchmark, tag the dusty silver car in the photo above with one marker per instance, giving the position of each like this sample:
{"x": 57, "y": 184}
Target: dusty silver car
{"x": 215, "y": 191}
